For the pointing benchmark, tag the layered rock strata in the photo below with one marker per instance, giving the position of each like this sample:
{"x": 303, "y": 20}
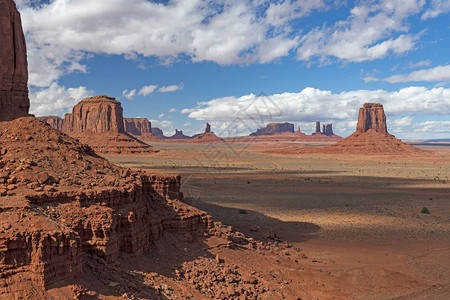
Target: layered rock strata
{"x": 274, "y": 128}
{"x": 14, "y": 100}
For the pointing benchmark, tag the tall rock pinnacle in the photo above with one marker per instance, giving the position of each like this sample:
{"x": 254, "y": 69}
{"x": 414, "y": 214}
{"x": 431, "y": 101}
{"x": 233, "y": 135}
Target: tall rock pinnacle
{"x": 14, "y": 100}
{"x": 371, "y": 116}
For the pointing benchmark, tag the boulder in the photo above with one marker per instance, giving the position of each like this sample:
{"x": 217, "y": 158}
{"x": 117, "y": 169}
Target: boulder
{"x": 14, "y": 100}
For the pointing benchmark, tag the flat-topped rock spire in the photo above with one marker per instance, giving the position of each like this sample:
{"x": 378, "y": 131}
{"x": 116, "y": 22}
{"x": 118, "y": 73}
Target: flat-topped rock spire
{"x": 371, "y": 116}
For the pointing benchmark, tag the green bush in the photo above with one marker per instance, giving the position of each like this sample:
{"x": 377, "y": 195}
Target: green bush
{"x": 425, "y": 210}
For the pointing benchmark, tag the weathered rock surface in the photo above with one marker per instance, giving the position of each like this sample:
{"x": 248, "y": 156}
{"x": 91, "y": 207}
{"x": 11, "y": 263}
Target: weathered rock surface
{"x": 141, "y": 128}
{"x": 371, "y": 136}
{"x": 98, "y": 121}
{"x": 98, "y": 114}
{"x": 158, "y": 132}
{"x": 137, "y": 126}
{"x": 328, "y": 130}
{"x": 274, "y": 128}
{"x": 371, "y": 116}
{"x": 63, "y": 200}
{"x": 54, "y": 121}
{"x": 207, "y": 136}
{"x": 14, "y": 100}
{"x": 179, "y": 136}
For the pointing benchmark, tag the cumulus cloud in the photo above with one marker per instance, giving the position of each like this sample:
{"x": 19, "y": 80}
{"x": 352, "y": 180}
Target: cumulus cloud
{"x": 436, "y": 8}
{"x": 171, "y": 88}
{"x": 62, "y": 34}
{"x": 56, "y": 100}
{"x": 161, "y": 116}
{"x": 129, "y": 94}
{"x": 422, "y": 63}
{"x": 172, "y": 110}
{"x": 147, "y": 90}
{"x": 372, "y": 31}
{"x": 165, "y": 126}
{"x": 245, "y": 114}
{"x": 439, "y": 73}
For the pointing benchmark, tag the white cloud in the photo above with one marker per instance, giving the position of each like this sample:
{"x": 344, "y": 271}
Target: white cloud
{"x": 129, "y": 94}
{"x": 422, "y": 63}
{"x": 439, "y": 73}
{"x": 436, "y": 8}
{"x": 187, "y": 124}
{"x": 165, "y": 126}
{"x": 56, "y": 100}
{"x": 434, "y": 126}
{"x": 171, "y": 88}
{"x": 405, "y": 121}
{"x": 242, "y": 115}
{"x": 61, "y": 34}
{"x": 372, "y": 31}
{"x": 172, "y": 110}
{"x": 161, "y": 116}
{"x": 147, "y": 90}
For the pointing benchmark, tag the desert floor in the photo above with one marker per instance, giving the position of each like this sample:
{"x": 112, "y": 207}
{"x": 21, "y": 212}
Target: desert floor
{"x": 356, "y": 219}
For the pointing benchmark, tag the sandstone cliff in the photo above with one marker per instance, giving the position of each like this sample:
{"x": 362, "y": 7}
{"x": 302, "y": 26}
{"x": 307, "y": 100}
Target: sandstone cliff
{"x": 371, "y": 136}
{"x": 274, "y": 128}
{"x": 98, "y": 121}
{"x": 141, "y": 128}
{"x": 179, "y": 136}
{"x": 371, "y": 116}
{"x": 14, "y": 100}
{"x": 54, "y": 121}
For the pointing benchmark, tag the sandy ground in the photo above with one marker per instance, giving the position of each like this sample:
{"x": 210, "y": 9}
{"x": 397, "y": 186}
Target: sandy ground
{"x": 356, "y": 219}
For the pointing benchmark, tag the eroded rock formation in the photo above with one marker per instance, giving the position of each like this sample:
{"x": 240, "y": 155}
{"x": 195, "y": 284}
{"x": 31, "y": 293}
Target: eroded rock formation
{"x": 328, "y": 130}
{"x": 158, "y": 132}
{"x": 137, "y": 126}
{"x": 208, "y": 128}
{"x": 98, "y": 121}
{"x": 207, "y": 136}
{"x": 371, "y": 116}
{"x": 54, "y": 121}
{"x": 274, "y": 128}
{"x": 64, "y": 201}
{"x": 371, "y": 136}
{"x": 179, "y": 136}
{"x": 14, "y": 100}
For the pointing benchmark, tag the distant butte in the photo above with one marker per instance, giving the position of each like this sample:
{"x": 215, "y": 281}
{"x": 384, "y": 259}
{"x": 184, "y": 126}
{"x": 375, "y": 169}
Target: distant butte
{"x": 371, "y": 136}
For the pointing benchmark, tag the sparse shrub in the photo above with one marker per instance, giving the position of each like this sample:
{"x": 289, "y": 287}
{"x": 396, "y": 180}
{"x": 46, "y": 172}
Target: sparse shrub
{"x": 425, "y": 211}
{"x": 242, "y": 211}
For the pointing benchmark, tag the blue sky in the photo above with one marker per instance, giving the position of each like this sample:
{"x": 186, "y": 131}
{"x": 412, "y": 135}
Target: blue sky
{"x": 181, "y": 63}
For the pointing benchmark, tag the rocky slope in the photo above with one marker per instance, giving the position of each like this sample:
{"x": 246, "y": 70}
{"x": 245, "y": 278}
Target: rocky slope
{"x": 54, "y": 121}
{"x": 14, "y": 100}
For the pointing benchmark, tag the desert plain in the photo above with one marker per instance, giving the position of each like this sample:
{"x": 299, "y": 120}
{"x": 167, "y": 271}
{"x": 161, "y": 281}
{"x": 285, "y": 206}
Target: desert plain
{"x": 356, "y": 220}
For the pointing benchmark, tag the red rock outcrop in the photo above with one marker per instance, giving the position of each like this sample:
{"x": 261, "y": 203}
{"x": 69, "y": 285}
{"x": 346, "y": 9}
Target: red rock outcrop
{"x": 317, "y": 127}
{"x": 137, "y": 126}
{"x": 207, "y": 136}
{"x": 141, "y": 128}
{"x": 63, "y": 201}
{"x": 158, "y": 133}
{"x": 98, "y": 122}
{"x": 179, "y": 136}
{"x": 14, "y": 100}
{"x": 371, "y": 116}
{"x": 328, "y": 130}
{"x": 274, "y": 128}
{"x": 54, "y": 121}
{"x": 371, "y": 136}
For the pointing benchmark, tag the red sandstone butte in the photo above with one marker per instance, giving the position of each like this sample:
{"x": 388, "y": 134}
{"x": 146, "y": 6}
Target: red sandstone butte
{"x": 141, "y": 128}
{"x": 371, "y": 116}
{"x": 207, "y": 136}
{"x": 54, "y": 121}
{"x": 371, "y": 136}
{"x": 14, "y": 100}
{"x": 274, "y": 128}
{"x": 98, "y": 122}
